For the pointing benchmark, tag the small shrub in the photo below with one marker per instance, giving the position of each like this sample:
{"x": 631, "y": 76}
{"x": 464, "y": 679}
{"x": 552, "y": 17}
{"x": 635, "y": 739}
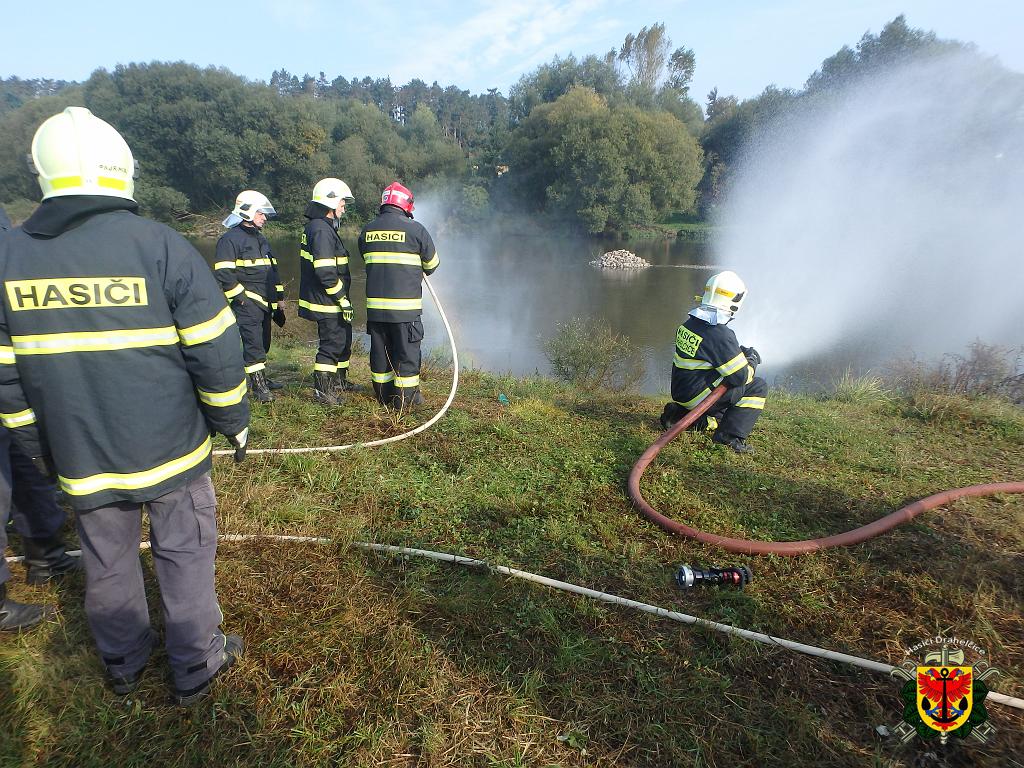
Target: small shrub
{"x": 986, "y": 370}
{"x": 867, "y": 388}
{"x": 589, "y": 355}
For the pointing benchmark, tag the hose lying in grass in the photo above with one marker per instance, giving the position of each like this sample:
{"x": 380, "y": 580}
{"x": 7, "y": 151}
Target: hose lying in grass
{"x": 395, "y": 438}
{"x": 605, "y": 597}
{"x": 789, "y": 548}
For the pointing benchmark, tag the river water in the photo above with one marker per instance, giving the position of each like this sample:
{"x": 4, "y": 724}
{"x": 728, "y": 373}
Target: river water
{"x": 505, "y": 295}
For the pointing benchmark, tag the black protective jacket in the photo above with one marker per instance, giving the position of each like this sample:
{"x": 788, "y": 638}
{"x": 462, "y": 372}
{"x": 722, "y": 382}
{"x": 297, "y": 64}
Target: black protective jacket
{"x": 118, "y": 353}
{"x": 706, "y": 355}
{"x": 324, "y": 279}
{"x": 397, "y": 252}
{"x": 245, "y": 266}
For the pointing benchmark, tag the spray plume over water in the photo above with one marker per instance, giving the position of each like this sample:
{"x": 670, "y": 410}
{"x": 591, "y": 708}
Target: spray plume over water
{"x": 885, "y": 221}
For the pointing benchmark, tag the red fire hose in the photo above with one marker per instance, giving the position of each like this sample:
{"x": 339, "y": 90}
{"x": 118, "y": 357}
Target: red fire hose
{"x": 789, "y": 548}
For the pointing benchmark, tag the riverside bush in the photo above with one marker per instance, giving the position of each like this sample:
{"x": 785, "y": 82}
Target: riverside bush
{"x": 589, "y": 355}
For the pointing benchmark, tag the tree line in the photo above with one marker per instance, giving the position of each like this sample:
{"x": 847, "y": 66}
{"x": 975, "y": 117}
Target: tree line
{"x": 601, "y": 143}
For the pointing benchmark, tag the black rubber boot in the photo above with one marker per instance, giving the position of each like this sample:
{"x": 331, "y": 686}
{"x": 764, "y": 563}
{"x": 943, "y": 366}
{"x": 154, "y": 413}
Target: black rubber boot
{"x": 408, "y": 398}
{"x": 324, "y": 391}
{"x": 16, "y": 616}
{"x": 258, "y": 388}
{"x": 385, "y": 393}
{"x": 342, "y": 384}
{"x": 272, "y": 385}
{"x": 47, "y": 559}
{"x": 233, "y": 648}
{"x": 735, "y": 443}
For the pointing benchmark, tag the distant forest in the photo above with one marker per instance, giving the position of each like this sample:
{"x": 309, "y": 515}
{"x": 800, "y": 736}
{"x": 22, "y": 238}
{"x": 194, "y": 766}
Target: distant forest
{"x": 601, "y": 144}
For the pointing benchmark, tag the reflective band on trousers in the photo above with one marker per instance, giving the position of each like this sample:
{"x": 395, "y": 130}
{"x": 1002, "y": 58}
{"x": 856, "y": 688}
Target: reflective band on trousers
{"x": 382, "y": 378}
{"x": 385, "y": 257}
{"x": 750, "y": 402}
{"x": 130, "y": 481}
{"x": 223, "y": 399}
{"x": 325, "y": 367}
{"x": 374, "y": 303}
{"x": 94, "y": 341}
{"x": 407, "y": 381}
{"x": 19, "y": 419}
{"x": 211, "y": 329}
{"x": 255, "y": 367}
{"x": 342, "y": 364}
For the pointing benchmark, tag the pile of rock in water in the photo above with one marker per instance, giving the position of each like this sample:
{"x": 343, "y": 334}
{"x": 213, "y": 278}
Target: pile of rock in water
{"x": 621, "y": 259}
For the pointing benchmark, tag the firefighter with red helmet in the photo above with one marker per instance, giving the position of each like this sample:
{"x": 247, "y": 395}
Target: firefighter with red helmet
{"x": 397, "y": 252}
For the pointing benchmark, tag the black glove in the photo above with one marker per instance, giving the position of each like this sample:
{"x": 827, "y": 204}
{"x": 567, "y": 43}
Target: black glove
{"x": 279, "y": 317}
{"x": 346, "y": 309}
{"x": 752, "y": 357}
{"x": 44, "y": 464}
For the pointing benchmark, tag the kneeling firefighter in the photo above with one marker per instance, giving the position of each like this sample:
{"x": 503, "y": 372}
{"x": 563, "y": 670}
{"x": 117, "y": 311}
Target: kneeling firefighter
{"x": 707, "y": 354}
{"x": 246, "y": 269}
{"x": 397, "y": 252}
{"x": 324, "y": 282}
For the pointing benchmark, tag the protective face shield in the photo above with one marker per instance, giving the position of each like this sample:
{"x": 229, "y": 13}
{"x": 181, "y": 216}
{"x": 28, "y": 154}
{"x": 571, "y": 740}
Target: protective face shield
{"x": 398, "y": 196}
{"x": 725, "y": 292}
{"x": 77, "y": 153}
{"x": 247, "y": 205}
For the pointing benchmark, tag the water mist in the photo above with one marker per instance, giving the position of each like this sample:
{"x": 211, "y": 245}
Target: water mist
{"x": 883, "y": 222}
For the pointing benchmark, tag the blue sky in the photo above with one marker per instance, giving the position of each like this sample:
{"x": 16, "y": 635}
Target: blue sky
{"x": 741, "y": 45}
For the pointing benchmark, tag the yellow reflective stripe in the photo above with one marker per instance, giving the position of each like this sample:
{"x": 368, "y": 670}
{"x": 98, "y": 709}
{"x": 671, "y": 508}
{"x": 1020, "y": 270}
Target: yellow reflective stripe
{"x": 334, "y": 288}
{"x": 750, "y": 402}
{"x": 257, "y": 298}
{"x": 695, "y": 401}
{"x": 7, "y": 355}
{"x": 319, "y": 307}
{"x": 373, "y": 303}
{"x": 65, "y": 182}
{"x": 252, "y": 262}
{"x": 94, "y": 341}
{"x": 111, "y": 183}
{"x": 223, "y": 265}
{"x": 129, "y": 481}
{"x": 730, "y": 367}
{"x": 385, "y": 257}
{"x": 211, "y": 329}
{"x": 342, "y": 364}
{"x": 407, "y": 381}
{"x": 255, "y": 367}
{"x": 432, "y": 263}
{"x": 325, "y": 367}
{"x": 232, "y": 292}
{"x": 223, "y": 399}
{"x": 690, "y": 364}
{"x": 342, "y": 261}
{"x": 382, "y": 378}
{"x": 321, "y": 263}
{"x": 279, "y": 288}
{"x": 19, "y": 419}
{"x": 750, "y": 373}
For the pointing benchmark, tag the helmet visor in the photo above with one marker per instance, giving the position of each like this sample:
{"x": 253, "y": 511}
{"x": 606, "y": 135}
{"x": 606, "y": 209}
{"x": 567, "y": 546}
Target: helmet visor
{"x": 267, "y": 210}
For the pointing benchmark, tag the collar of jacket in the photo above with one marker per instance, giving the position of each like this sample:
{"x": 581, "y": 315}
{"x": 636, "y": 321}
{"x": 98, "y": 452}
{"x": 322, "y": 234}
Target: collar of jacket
{"x": 394, "y": 209}
{"x": 57, "y": 215}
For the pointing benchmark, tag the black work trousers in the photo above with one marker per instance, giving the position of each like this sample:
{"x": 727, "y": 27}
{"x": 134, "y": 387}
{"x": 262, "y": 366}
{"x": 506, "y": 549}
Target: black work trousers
{"x": 395, "y": 354}
{"x": 739, "y": 409}
{"x": 335, "y": 347}
{"x": 251, "y": 317}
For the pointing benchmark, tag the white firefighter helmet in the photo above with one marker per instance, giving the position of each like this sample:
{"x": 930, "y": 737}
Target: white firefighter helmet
{"x": 77, "y": 153}
{"x": 329, "y": 192}
{"x": 724, "y": 291}
{"x": 248, "y": 204}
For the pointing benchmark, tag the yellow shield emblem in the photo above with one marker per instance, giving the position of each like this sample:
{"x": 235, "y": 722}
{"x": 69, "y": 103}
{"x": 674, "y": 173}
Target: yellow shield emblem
{"x": 945, "y": 696}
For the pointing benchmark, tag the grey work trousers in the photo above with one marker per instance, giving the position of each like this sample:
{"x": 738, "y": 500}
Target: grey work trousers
{"x": 183, "y": 538}
{"x": 34, "y": 509}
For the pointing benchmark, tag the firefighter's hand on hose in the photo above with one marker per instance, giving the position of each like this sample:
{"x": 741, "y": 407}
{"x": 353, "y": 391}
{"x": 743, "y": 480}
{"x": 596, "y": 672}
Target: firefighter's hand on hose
{"x": 239, "y": 441}
{"x": 44, "y": 465}
{"x": 752, "y": 357}
{"x": 346, "y": 309}
{"x": 279, "y": 317}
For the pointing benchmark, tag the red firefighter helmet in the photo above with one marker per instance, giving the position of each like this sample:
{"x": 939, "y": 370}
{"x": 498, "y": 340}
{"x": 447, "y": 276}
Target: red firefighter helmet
{"x": 398, "y": 196}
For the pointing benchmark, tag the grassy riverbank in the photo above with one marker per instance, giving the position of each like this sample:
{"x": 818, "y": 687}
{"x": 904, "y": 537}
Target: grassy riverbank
{"x": 358, "y": 660}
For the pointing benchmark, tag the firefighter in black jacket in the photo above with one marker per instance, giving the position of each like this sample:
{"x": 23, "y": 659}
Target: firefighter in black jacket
{"x": 324, "y": 282}
{"x": 397, "y": 252}
{"x": 118, "y": 359}
{"x": 707, "y": 354}
{"x": 247, "y": 272}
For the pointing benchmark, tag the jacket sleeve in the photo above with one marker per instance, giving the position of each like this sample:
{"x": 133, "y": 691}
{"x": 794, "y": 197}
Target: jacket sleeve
{"x": 15, "y": 414}
{"x": 325, "y": 263}
{"x": 428, "y": 253}
{"x": 729, "y": 360}
{"x": 224, "y": 268}
{"x": 208, "y": 338}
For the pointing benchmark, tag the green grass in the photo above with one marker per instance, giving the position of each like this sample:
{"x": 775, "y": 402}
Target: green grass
{"x": 355, "y": 659}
